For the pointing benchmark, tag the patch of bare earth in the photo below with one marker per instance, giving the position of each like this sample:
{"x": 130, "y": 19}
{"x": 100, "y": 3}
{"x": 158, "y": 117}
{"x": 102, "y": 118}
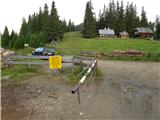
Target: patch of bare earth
{"x": 129, "y": 90}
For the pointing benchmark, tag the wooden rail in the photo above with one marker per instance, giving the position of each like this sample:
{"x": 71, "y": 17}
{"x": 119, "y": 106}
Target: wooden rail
{"x": 27, "y": 60}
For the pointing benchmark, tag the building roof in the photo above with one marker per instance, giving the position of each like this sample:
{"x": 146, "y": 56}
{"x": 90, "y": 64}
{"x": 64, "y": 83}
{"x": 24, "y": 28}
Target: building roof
{"x": 144, "y": 30}
{"x": 106, "y": 31}
{"x": 124, "y": 33}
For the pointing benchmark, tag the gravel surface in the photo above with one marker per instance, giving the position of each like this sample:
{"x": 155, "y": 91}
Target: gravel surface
{"x": 129, "y": 90}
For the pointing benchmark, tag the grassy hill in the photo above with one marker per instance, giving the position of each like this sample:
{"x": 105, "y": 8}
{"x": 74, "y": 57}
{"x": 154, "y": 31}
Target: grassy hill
{"x": 74, "y": 41}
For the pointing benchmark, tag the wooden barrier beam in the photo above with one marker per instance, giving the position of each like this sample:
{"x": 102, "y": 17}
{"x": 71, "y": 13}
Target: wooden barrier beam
{"x": 76, "y": 88}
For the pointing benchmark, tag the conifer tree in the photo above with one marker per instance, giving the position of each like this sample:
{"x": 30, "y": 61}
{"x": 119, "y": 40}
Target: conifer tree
{"x": 55, "y": 26}
{"x": 24, "y": 28}
{"x": 69, "y": 26}
{"x": 40, "y": 20}
{"x": 89, "y": 22}
{"x": 111, "y": 15}
{"x": 13, "y": 38}
{"x": 131, "y": 19}
{"x": 45, "y": 22}
{"x": 151, "y": 25}
{"x": 144, "y": 21}
{"x": 102, "y": 19}
{"x": 157, "y": 33}
{"x": 64, "y": 26}
{"x": 5, "y": 38}
{"x": 120, "y": 22}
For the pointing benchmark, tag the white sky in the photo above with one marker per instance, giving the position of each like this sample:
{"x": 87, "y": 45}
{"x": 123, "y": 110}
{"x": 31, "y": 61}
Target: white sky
{"x": 12, "y": 11}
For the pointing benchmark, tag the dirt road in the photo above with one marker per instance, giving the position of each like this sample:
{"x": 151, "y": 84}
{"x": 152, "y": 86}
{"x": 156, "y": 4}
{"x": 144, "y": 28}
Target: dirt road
{"x": 129, "y": 90}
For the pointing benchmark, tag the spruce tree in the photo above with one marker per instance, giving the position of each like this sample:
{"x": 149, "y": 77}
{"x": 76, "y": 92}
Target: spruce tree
{"x": 131, "y": 19}
{"x": 45, "y": 22}
{"x": 5, "y": 38}
{"x": 40, "y": 20}
{"x": 112, "y": 15}
{"x": 101, "y": 20}
{"x": 69, "y": 26}
{"x": 151, "y": 25}
{"x": 64, "y": 26}
{"x": 117, "y": 22}
{"x": 144, "y": 21}
{"x": 13, "y": 38}
{"x": 121, "y": 18}
{"x": 55, "y": 26}
{"x": 157, "y": 33}
{"x": 89, "y": 30}
{"x": 24, "y": 28}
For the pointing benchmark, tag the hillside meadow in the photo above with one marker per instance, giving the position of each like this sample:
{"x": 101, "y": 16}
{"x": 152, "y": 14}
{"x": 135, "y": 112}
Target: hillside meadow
{"x": 74, "y": 41}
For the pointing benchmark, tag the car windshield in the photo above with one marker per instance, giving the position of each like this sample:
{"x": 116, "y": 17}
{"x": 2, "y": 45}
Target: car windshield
{"x": 39, "y": 50}
{"x": 49, "y": 50}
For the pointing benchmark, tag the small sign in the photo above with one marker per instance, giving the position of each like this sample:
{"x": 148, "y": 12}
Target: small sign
{"x": 55, "y": 62}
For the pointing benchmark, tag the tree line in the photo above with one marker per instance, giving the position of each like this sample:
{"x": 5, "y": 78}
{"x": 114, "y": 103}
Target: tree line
{"x": 118, "y": 17}
{"x": 40, "y": 28}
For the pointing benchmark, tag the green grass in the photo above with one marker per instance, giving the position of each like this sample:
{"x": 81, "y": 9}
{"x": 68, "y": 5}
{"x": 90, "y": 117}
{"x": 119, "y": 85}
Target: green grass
{"x": 25, "y": 51}
{"x": 74, "y": 77}
{"x": 20, "y": 72}
{"x": 75, "y": 43}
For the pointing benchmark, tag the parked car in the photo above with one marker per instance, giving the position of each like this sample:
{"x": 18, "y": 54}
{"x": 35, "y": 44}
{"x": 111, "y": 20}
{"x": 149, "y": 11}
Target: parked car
{"x": 43, "y": 51}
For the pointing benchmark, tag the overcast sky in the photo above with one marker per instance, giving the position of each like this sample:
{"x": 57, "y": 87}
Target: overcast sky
{"x": 12, "y": 11}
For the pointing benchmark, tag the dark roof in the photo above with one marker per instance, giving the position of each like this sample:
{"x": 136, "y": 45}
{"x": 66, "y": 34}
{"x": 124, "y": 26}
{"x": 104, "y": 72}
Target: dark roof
{"x": 106, "y": 31}
{"x": 144, "y": 30}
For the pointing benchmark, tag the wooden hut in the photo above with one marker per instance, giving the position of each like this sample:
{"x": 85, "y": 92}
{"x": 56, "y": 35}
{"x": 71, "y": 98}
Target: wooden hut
{"x": 124, "y": 34}
{"x": 106, "y": 32}
{"x": 144, "y": 32}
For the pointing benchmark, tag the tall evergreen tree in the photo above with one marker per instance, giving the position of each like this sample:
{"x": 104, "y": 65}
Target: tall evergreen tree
{"x": 29, "y": 26}
{"x": 131, "y": 19}
{"x": 151, "y": 25}
{"x": 70, "y": 26}
{"x": 40, "y": 20}
{"x": 102, "y": 19}
{"x": 24, "y": 28}
{"x": 35, "y": 23}
{"x": 144, "y": 21}
{"x": 111, "y": 18}
{"x": 45, "y": 22}
{"x": 120, "y": 21}
{"x": 89, "y": 22}
{"x": 13, "y": 38}
{"x": 136, "y": 18}
{"x": 55, "y": 26}
{"x": 157, "y": 33}
{"x": 64, "y": 26}
{"x": 121, "y": 17}
{"x": 5, "y": 38}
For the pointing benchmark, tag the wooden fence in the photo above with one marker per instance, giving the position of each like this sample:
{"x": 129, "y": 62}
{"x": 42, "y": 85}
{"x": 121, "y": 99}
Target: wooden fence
{"x": 28, "y": 60}
{"x": 91, "y": 65}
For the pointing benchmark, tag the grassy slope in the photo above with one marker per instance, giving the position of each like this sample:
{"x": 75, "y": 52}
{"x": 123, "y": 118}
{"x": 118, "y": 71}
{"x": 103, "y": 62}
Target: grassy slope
{"x": 73, "y": 40}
